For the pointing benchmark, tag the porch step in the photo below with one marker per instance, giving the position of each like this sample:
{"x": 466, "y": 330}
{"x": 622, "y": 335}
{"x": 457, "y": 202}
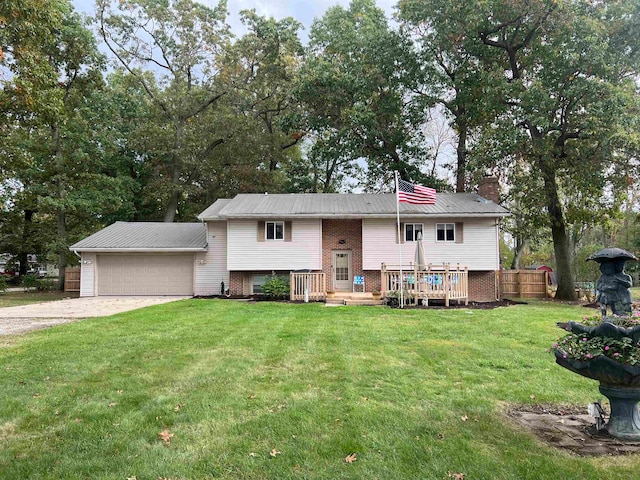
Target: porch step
{"x": 353, "y": 298}
{"x": 363, "y": 302}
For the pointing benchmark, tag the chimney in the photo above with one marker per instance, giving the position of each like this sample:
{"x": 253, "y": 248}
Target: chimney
{"x": 489, "y": 189}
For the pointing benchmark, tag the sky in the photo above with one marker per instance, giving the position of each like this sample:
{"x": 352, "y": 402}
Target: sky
{"x": 304, "y": 11}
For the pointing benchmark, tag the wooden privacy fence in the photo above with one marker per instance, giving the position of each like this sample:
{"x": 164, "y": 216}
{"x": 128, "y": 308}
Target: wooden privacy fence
{"x": 523, "y": 283}
{"x": 426, "y": 282}
{"x": 72, "y": 279}
{"x": 308, "y": 286}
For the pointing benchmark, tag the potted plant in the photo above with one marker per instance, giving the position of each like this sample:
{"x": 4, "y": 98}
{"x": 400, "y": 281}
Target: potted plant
{"x": 376, "y": 294}
{"x": 607, "y": 350}
{"x": 331, "y": 293}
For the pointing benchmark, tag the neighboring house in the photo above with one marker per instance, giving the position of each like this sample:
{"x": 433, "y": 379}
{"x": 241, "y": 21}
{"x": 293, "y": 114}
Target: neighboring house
{"x": 244, "y": 240}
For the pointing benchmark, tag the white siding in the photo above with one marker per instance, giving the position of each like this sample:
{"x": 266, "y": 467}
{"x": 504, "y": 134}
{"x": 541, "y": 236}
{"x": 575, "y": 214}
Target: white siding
{"x": 246, "y": 253}
{"x": 88, "y": 275}
{"x": 211, "y": 266}
{"x": 479, "y": 250}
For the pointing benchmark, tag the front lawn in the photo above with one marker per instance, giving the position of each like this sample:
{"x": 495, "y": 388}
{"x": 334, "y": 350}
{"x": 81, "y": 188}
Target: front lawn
{"x": 279, "y": 391}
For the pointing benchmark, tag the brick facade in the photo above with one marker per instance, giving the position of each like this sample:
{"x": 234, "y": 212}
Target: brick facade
{"x": 342, "y": 235}
{"x": 482, "y": 286}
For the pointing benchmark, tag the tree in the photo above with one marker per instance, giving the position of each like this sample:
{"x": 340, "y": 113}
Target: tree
{"x": 55, "y": 154}
{"x": 354, "y": 87}
{"x": 568, "y": 74}
{"x": 27, "y": 28}
{"x": 180, "y": 42}
{"x": 451, "y": 75}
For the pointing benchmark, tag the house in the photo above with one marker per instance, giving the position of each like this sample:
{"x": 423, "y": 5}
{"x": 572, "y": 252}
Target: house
{"x": 244, "y": 240}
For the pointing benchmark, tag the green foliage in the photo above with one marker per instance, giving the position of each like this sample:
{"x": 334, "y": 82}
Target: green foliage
{"x": 587, "y": 346}
{"x": 3, "y": 284}
{"x": 354, "y": 86}
{"x": 276, "y": 288}
{"x": 29, "y": 281}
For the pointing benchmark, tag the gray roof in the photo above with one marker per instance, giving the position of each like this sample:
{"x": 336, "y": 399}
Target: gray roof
{"x": 348, "y": 205}
{"x": 146, "y": 236}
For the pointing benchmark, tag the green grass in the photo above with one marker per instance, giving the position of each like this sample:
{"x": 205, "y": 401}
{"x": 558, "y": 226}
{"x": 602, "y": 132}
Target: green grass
{"x": 13, "y": 299}
{"x": 233, "y": 381}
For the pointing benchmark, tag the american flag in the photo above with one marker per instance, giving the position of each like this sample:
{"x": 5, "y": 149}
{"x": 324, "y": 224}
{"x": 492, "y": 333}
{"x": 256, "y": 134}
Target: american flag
{"x": 417, "y": 194}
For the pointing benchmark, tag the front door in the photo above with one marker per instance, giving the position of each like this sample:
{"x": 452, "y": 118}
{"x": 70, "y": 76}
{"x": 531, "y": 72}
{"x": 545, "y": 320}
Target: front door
{"x": 342, "y": 276}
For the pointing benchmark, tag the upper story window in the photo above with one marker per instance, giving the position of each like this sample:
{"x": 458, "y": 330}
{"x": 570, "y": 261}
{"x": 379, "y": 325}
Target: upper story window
{"x": 411, "y": 231}
{"x": 274, "y": 230}
{"x": 445, "y": 232}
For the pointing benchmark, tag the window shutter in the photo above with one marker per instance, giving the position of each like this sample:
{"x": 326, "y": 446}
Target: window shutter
{"x": 261, "y": 228}
{"x": 402, "y": 234}
{"x": 287, "y": 231}
{"x": 459, "y": 232}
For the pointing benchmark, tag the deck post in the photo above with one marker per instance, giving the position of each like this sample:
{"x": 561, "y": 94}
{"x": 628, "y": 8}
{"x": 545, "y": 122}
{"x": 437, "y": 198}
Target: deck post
{"x": 447, "y": 285}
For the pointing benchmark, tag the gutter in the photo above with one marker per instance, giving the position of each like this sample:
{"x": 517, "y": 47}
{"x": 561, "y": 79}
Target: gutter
{"x": 332, "y": 216}
{"x": 140, "y": 250}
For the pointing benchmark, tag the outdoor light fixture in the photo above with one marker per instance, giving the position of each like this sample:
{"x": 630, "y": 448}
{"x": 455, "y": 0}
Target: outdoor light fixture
{"x": 342, "y": 241}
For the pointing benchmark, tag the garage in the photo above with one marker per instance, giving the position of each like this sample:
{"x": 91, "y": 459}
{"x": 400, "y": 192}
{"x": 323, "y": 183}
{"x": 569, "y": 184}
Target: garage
{"x": 141, "y": 258}
{"x": 145, "y": 275}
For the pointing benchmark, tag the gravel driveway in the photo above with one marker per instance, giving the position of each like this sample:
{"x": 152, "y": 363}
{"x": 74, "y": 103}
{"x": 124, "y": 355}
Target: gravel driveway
{"x": 25, "y": 318}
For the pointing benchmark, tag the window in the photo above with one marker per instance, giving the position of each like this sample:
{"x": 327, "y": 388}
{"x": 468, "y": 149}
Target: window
{"x": 446, "y": 232}
{"x": 258, "y": 281}
{"x": 411, "y": 231}
{"x": 274, "y": 230}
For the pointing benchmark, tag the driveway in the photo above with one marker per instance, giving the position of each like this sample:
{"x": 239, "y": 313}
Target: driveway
{"x": 24, "y": 318}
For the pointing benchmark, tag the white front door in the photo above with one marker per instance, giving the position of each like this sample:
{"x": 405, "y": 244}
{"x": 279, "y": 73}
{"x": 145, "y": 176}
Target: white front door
{"x": 342, "y": 276}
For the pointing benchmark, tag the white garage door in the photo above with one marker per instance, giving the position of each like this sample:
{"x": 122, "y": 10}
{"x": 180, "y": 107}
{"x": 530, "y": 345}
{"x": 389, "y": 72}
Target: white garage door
{"x": 145, "y": 275}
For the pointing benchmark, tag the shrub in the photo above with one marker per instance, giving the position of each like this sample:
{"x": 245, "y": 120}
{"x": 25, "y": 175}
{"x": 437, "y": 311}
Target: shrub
{"x": 276, "y": 288}
{"x": 29, "y": 281}
{"x": 3, "y": 284}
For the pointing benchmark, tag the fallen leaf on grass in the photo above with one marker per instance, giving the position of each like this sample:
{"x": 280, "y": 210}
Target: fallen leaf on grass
{"x": 165, "y": 436}
{"x": 120, "y": 392}
{"x": 178, "y": 407}
{"x": 132, "y": 478}
{"x": 532, "y": 397}
{"x": 456, "y": 476}
{"x": 441, "y": 436}
{"x": 78, "y": 420}
{"x": 113, "y": 404}
{"x": 274, "y": 453}
{"x": 464, "y": 418}
{"x": 350, "y": 458}
{"x": 253, "y": 454}
{"x": 251, "y": 397}
{"x": 36, "y": 395}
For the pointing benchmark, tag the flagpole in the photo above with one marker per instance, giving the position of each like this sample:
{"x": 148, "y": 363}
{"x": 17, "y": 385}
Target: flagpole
{"x": 399, "y": 238}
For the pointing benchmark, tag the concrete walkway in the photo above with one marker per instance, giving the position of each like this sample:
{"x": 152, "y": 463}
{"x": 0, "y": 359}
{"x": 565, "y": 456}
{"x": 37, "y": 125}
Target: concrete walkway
{"x": 24, "y": 318}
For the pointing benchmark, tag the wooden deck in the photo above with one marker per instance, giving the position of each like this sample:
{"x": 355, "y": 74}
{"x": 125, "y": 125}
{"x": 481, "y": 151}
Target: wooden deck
{"x": 425, "y": 283}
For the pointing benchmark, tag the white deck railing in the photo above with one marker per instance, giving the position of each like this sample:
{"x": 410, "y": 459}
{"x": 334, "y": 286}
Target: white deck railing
{"x": 426, "y": 282}
{"x": 308, "y": 286}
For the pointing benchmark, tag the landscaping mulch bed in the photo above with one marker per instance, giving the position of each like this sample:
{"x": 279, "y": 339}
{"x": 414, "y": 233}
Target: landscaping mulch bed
{"x": 570, "y": 428}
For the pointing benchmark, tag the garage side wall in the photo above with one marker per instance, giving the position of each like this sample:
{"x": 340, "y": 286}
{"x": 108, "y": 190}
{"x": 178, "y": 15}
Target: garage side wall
{"x": 88, "y": 275}
{"x": 211, "y": 266}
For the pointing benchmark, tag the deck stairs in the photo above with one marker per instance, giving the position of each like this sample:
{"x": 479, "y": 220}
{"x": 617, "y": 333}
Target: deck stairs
{"x": 353, "y": 298}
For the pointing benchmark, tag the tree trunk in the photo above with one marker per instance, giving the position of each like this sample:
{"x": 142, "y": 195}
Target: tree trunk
{"x": 461, "y": 151}
{"x": 175, "y": 168}
{"x": 521, "y": 244}
{"x": 566, "y": 288}
{"x": 23, "y": 256}
{"x": 61, "y": 220}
